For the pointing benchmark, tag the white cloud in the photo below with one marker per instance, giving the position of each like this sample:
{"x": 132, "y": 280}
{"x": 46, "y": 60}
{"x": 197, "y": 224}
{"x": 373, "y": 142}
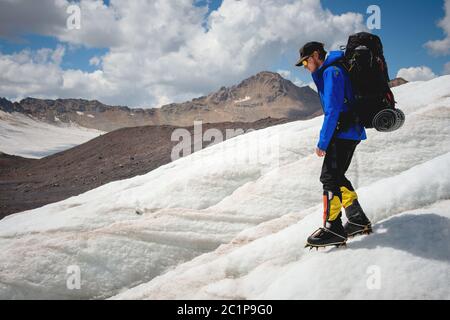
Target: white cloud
{"x": 421, "y": 73}
{"x": 313, "y": 86}
{"x": 21, "y": 16}
{"x": 442, "y": 47}
{"x": 49, "y": 17}
{"x": 160, "y": 52}
{"x": 39, "y": 74}
{"x": 447, "y": 68}
{"x": 98, "y": 25}
{"x": 299, "y": 83}
{"x": 95, "y": 61}
{"x": 58, "y": 54}
{"x": 287, "y": 74}
{"x": 284, "y": 73}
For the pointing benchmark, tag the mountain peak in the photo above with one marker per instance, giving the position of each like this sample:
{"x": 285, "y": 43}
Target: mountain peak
{"x": 397, "y": 82}
{"x": 6, "y": 105}
{"x": 265, "y": 74}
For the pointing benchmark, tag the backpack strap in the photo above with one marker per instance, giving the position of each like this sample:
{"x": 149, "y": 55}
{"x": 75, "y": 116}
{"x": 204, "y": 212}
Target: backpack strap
{"x": 349, "y": 117}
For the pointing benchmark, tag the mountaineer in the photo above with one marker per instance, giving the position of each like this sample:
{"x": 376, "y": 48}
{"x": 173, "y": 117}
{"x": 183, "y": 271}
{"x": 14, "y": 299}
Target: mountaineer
{"x": 337, "y": 143}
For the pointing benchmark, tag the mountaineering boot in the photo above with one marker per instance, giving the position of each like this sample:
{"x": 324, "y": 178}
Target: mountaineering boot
{"x": 333, "y": 232}
{"x": 358, "y": 223}
{"x": 331, "y": 235}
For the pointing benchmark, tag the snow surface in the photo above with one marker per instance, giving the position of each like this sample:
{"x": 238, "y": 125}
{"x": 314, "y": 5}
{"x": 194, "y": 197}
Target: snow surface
{"x": 230, "y": 221}
{"x": 410, "y": 250}
{"x": 24, "y": 136}
{"x": 243, "y": 99}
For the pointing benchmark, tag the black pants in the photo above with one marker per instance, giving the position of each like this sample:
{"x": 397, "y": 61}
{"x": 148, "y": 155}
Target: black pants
{"x": 335, "y": 164}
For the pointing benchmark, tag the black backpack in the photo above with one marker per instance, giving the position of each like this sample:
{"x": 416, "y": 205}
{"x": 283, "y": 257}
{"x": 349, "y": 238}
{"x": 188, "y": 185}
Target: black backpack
{"x": 374, "y": 103}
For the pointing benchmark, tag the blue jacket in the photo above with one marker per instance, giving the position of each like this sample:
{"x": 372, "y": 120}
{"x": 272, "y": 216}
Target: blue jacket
{"x": 333, "y": 85}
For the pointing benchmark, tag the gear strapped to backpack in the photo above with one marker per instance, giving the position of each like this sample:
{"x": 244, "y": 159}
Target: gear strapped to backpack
{"x": 373, "y": 105}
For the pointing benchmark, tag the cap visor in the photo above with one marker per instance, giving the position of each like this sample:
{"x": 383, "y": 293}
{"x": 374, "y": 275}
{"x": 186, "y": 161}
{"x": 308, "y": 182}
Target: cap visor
{"x": 300, "y": 62}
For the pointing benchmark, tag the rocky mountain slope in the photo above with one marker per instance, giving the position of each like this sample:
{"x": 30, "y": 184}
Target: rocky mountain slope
{"x": 397, "y": 82}
{"x": 263, "y": 95}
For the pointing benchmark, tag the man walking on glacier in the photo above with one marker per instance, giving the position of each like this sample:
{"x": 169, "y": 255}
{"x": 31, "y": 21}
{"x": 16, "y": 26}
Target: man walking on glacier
{"x": 337, "y": 143}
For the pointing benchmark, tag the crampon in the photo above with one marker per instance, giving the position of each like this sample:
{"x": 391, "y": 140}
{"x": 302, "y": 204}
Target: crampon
{"x": 355, "y": 230}
{"x": 317, "y": 247}
{"x": 324, "y": 237}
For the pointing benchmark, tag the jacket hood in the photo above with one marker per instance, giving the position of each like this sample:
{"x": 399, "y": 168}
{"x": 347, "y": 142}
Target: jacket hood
{"x": 332, "y": 57}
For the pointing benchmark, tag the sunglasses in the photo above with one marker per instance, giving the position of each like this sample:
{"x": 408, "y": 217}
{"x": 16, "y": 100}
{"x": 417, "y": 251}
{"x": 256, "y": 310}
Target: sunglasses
{"x": 305, "y": 62}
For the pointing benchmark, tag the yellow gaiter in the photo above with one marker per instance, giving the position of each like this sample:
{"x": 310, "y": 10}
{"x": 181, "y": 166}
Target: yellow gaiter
{"x": 331, "y": 206}
{"x": 348, "y": 197}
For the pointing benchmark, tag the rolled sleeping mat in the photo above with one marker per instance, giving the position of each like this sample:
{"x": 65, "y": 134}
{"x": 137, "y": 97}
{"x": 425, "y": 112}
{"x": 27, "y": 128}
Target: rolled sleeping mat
{"x": 401, "y": 116}
{"x": 388, "y": 120}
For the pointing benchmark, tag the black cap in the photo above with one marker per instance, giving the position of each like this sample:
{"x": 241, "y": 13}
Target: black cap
{"x": 307, "y": 50}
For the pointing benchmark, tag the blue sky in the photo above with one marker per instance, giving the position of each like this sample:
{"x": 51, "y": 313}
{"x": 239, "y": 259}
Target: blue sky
{"x": 405, "y": 27}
